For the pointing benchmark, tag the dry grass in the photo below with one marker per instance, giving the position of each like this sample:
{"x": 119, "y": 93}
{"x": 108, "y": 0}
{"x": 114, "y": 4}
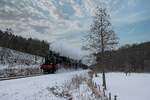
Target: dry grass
{"x": 66, "y": 91}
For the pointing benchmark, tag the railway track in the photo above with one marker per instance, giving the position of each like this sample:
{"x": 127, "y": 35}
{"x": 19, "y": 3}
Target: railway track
{"x": 19, "y": 77}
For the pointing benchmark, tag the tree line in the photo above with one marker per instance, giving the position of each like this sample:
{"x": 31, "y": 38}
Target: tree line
{"x": 32, "y": 46}
{"x": 128, "y": 58}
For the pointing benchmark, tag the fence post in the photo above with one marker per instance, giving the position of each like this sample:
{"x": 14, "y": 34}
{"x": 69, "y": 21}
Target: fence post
{"x": 109, "y": 96}
{"x": 95, "y": 85}
{"x": 96, "y": 74}
{"x": 104, "y": 92}
{"x": 99, "y": 88}
{"x": 115, "y": 97}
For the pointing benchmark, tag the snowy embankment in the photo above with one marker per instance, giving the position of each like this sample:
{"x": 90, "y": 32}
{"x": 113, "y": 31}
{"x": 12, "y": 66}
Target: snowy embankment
{"x": 134, "y": 86}
{"x": 62, "y": 86}
{"x": 19, "y": 70}
{"x": 13, "y": 57}
{"x": 15, "y": 63}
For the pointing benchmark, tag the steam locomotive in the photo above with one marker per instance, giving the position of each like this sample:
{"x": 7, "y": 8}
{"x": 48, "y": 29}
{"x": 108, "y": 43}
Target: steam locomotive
{"x": 53, "y": 61}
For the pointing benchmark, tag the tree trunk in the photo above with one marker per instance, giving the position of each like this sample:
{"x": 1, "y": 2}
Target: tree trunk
{"x": 104, "y": 80}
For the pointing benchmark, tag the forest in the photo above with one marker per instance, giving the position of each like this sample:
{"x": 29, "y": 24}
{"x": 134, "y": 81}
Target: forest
{"x": 128, "y": 58}
{"x": 19, "y": 43}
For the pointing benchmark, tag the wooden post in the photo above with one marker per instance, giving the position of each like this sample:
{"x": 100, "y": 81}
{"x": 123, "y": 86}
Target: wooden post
{"x": 104, "y": 80}
{"x": 109, "y": 96}
{"x": 115, "y": 97}
{"x": 95, "y": 85}
{"x": 96, "y": 74}
{"x": 104, "y": 92}
{"x": 99, "y": 88}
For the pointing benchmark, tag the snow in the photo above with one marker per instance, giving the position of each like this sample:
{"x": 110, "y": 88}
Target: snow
{"x": 84, "y": 93}
{"x": 35, "y": 88}
{"x": 63, "y": 70}
{"x": 19, "y": 70}
{"x": 18, "y": 58}
{"x": 18, "y": 63}
{"x": 134, "y": 86}
{"x": 6, "y": 66}
{"x": 3, "y": 66}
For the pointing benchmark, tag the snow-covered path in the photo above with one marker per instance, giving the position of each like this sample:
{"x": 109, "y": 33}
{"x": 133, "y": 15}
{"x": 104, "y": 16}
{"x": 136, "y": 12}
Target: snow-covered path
{"x": 34, "y": 88}
{"x": 135, "y": 86}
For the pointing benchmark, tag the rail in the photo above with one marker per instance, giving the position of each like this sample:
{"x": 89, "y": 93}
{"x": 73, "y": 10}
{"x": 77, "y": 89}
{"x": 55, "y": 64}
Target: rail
{"x": 18, "y": 77}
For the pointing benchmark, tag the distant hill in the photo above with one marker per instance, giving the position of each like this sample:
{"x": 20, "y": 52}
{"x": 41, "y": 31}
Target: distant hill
{"x": 135, "y": 58}
{"x": 32, "y": 46}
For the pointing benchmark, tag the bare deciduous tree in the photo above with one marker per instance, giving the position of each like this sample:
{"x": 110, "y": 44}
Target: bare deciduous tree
{"x": 102, "y": 36}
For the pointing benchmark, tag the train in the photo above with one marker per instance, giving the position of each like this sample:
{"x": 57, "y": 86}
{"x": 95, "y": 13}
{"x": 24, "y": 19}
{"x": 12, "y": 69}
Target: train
{"x": 54, "y": 61}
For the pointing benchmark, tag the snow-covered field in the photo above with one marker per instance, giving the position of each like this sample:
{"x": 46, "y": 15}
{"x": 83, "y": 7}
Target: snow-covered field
{"x": 34, "y": 88}
{"x": 60, "y": 86}
{"x": 135, "y": 86}
{"x": 65, "y": 85}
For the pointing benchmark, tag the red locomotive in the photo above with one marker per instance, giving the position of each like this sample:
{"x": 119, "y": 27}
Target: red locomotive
{"x": 49, "y": 68}
{"x": 50, "y": 64}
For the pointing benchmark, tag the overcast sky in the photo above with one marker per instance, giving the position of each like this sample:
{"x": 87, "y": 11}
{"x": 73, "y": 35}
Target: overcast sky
{"x": 69, "y": 20}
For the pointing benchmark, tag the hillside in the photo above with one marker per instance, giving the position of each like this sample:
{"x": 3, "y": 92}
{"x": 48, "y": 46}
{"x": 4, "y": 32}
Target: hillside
{"x": 8, "y": 39}
{"x": 15, "y": 63}
{"x": 13, "y": 57}
{"x": 135, "y": 58}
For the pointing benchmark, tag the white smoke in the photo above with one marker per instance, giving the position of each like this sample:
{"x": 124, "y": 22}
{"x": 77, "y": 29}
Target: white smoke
{"x": 68, "y": 50}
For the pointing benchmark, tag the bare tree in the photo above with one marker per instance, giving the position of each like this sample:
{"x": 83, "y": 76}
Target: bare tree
{"x": 101, "y": 37}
